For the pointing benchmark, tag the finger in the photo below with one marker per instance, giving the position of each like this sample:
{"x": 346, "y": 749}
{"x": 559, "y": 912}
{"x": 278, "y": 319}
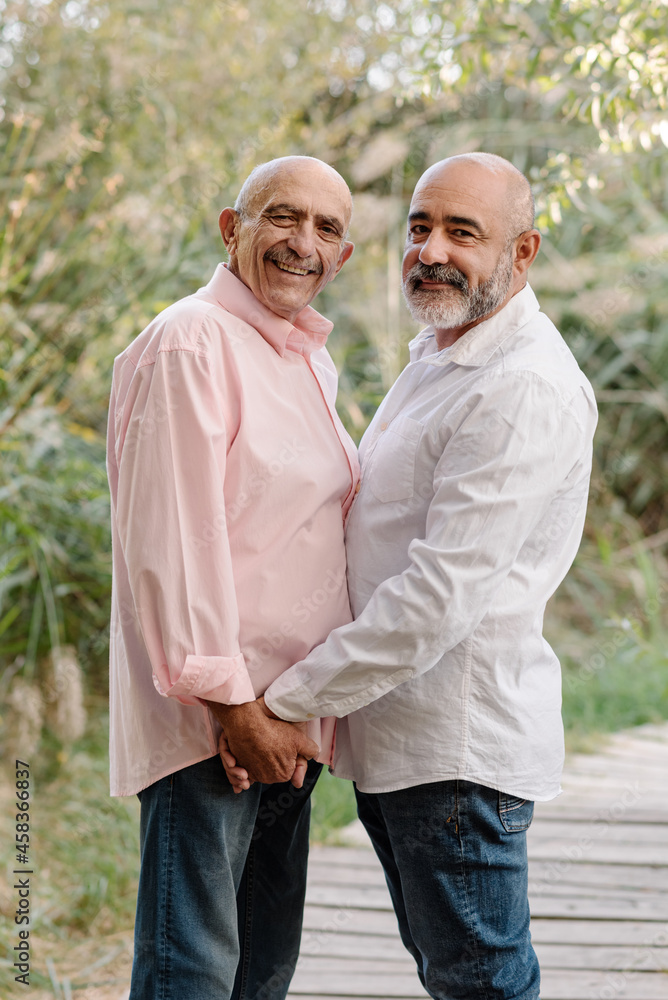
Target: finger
{"x": 307, "y": 747}
{"x": 230, "y": 764}
{"x": 297, "y": 778}
{"x": 236, "y": 774}
{"x": 239, "y": 784}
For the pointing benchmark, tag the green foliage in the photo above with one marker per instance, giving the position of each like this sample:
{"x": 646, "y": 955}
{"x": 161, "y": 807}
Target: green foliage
{"x": 85, "y": 849}
{"x": 55, "y": 562}
{"x": 333, "y": 806}
{"x": 125, "y": 128}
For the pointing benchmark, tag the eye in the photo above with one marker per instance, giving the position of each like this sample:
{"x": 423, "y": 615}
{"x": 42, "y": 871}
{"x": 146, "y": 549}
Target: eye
{"x": 418, "y": 229}
{"x": 329, "y": 231}
{"x": 463, "y": 234}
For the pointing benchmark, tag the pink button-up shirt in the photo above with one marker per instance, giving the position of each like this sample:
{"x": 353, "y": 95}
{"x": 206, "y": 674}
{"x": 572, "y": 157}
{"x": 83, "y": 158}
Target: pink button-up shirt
{"x": 230, "y": 476}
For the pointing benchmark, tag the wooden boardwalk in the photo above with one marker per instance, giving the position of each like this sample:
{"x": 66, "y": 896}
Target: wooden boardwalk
{"x": 598, "y": 891}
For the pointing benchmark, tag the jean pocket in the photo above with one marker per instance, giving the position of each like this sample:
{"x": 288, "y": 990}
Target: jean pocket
{"x": 515, "y": 814}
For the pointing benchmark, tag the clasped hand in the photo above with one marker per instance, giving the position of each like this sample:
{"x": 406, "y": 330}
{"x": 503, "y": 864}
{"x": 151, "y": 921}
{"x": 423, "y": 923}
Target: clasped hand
{"x": 256, "y": 746}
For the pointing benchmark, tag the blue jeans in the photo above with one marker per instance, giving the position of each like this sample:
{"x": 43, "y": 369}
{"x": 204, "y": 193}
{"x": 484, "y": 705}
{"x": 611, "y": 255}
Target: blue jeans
{"x": 221, "y": 888}
{"x": 455, "y": 861}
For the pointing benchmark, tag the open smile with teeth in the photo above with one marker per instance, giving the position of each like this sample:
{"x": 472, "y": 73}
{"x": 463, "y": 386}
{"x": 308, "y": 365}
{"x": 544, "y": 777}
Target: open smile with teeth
{"x": 291, "y": 269}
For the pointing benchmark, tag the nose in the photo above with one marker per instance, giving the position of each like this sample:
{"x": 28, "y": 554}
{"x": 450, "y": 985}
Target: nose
{"x": 302, "y": 239}
{"x": 435, "y": 249}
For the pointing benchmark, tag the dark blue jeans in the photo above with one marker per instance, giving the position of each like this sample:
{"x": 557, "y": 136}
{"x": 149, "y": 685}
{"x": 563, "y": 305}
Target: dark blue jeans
{"x": 222, "y": 886}
{"x": 455, "y": 861}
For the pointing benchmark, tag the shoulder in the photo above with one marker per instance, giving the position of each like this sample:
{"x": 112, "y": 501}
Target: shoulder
{"x": 189, "y": 327}
{"x": 536, "y": 354}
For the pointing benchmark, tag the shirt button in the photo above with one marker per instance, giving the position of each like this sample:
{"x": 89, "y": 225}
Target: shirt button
{"x": 383, "y": 426}
{"x": 357, "y": 488}
{"x": 309, "y": 716}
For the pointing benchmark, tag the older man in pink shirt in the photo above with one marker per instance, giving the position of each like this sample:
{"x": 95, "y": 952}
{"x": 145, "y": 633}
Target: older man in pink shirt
{"x": 230, "y": 475}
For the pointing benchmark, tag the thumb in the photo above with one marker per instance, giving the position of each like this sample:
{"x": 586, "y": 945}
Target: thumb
{"x": 306, "y": 747}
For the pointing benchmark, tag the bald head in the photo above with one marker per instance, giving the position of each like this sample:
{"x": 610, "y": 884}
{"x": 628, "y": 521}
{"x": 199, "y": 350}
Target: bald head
{"x": 496, "y": 178}
{"x": 307, "y": 168}
{"x": 470, "y": 242}
{"x": 286, "y": 235}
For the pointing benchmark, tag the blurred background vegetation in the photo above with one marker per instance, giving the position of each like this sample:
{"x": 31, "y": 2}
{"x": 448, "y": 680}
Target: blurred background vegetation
{"x": 124, "y": 128}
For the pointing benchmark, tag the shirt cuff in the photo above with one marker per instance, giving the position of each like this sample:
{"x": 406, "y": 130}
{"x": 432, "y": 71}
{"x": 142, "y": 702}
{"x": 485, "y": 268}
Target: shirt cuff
{"x": 210, "y": 678}
{"x": 290, "y": 700}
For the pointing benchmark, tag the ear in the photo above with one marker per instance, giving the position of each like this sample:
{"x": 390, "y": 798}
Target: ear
{"x": 227, "y": 223}
{"x": 346, "y": 250}
{"x": 526, "y": 248}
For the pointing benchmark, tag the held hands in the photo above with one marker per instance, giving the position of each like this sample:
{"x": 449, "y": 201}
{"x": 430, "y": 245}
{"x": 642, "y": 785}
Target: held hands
{"x": 256, "y": 746}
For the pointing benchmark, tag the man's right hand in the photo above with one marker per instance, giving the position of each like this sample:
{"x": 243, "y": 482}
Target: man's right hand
{"x": 267, "y": 748}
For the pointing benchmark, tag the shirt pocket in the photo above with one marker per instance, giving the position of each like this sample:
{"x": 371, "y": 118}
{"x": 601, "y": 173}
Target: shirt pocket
{"x": 392, "y": 469}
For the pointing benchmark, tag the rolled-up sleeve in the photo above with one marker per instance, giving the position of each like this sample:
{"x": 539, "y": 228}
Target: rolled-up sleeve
{"x": 172, "y": 528}
{"x": 513, "y": 446}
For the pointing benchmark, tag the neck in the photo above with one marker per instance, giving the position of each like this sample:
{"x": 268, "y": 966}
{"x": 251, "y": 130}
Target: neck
{"x": 446, "y": 338}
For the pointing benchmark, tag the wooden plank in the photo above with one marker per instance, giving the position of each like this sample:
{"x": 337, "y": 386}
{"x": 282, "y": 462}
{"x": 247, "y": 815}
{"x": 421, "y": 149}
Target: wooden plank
{"x": 323, "y": 978}
{"x": 614, "y": 898}
{"x": 606, "y": 852}
{"x": 341, "y": 944}
{"x": 640, "y": 753}
{"x": 318, "y": 918}
{"x": 325, "y": 874}
{"x": 546, "y": 927}
{"x": 358, "y": 897}
{"x": 638, "y": 934}
{"x": 584, "y": 873}
{"x": 576, "y": 814}
{"x": 363, "y": 966}
{"x": 557, "y": 900}
{"x": 644, "y": 768}
{"x": 627, "y": 831}
{"x": 587, "y": 799}
{"x": 347, "y": 857}
{"x": 601, "y": 957}
{"x": 579, "y": 985}
{"x": 575, "y": 955}
{"x": 542, "y": 874}
{"x": 598, "y": 890}
{"x": 598, "y": 909}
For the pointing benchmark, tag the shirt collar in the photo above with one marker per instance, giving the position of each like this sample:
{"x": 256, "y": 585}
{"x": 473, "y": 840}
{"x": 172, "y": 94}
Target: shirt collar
{"x": 479, "y": 343}
{"x": 308, "y": 333}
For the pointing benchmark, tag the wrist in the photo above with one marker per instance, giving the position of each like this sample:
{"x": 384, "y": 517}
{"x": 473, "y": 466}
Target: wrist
{"x": 232, "y": 715}
{"x": 265, "y": 708}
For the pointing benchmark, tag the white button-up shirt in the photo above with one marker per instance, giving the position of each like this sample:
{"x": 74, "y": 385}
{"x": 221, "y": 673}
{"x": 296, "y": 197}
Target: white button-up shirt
{"x": 475, "y": 475}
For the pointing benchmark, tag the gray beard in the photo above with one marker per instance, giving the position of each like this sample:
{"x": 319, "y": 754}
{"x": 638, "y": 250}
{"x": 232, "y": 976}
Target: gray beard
{"x": 459, "y": 306}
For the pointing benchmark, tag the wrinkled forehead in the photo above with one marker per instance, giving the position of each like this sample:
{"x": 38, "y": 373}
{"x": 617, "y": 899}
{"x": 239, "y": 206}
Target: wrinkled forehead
{"x": 310, "y": 186}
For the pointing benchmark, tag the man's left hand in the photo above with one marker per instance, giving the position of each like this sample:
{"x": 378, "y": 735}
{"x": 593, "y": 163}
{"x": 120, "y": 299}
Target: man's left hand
{"x": 238, "y": 776}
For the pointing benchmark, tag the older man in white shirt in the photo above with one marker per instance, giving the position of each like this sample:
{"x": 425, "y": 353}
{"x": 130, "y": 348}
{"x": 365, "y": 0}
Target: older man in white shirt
{"x": 475, "y": 475}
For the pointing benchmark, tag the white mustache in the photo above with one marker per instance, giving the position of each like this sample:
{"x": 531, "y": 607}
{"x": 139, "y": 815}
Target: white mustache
{"x": 282, "y": 255}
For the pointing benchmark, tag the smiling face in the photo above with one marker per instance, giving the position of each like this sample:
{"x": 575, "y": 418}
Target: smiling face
{"x": 287, "y": 241}
{"x": 462, "y": 259}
